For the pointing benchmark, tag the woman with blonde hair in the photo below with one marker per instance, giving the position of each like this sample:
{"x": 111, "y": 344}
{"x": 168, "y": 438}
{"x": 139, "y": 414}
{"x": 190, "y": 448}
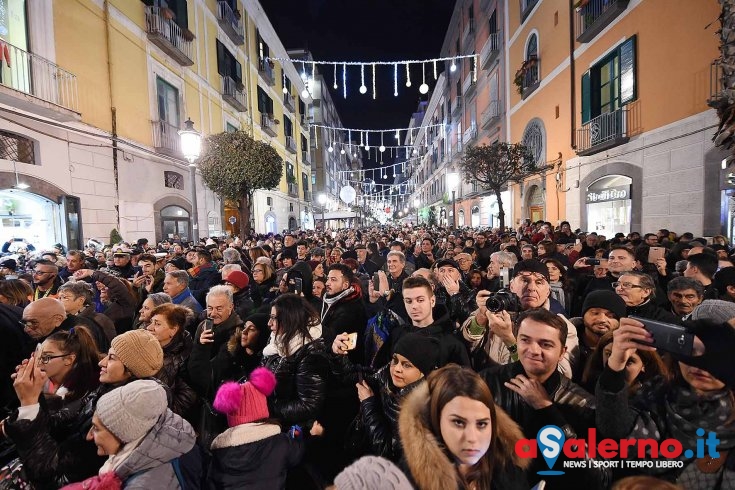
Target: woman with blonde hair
{"x": 455, "y": 437}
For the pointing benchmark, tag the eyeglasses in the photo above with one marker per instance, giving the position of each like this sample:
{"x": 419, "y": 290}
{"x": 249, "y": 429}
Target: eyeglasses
{"x": 40, "y": 273}
{"x": 29, "y": 323}
{"x": 46, "y": 359}
{"x": 625, "y": 285}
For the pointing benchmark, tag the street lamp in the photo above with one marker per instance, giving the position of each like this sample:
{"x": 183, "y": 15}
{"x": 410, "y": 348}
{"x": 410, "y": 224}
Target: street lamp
{"x": 452, "y": 183}
{"x": 416, "y": 204}
{"x": 323, "y": 200}
{"x": 191, "y": 147}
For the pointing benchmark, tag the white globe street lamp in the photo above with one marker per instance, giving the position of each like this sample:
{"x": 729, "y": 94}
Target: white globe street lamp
{"x": 191, "y": 147}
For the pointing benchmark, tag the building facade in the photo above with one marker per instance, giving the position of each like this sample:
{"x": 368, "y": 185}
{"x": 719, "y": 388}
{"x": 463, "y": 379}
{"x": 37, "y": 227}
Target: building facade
{"x": 623, "y": 124}
{"x": 93, "y": 95}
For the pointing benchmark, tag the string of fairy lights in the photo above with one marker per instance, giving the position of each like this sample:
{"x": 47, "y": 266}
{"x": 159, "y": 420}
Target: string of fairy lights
{"x": 376, "y": 143}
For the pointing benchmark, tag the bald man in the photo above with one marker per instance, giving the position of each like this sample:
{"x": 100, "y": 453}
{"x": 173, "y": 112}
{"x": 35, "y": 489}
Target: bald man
{"x": 43, "y": 317}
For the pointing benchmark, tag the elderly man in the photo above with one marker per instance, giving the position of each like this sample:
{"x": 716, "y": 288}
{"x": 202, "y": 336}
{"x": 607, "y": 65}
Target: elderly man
{"x": 498, "y": 262}
{"x": 176, "y": 285}
{"x": 46, "y": 280}
{"x": 464, "y": 260}
{"x": 684, "y": 294}
{"x": 490, "y": 335}
{"x": 388, "y": 295}
{"x": 365, "y": 266}
{"x": 121, "y": 265}
{"x": 221, "y": 321}
{"x": 74, "y": 261}
{"x": 43, "y": 317}
{"x": 639, "y": 292}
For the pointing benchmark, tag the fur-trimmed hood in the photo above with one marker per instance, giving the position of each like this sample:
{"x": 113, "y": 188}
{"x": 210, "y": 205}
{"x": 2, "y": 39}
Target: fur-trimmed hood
{"x": 428, "y": 463}
{"x": 244, "y": 434}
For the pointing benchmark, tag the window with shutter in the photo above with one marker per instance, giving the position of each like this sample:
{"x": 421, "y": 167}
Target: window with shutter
{"x": 610, "y": 83}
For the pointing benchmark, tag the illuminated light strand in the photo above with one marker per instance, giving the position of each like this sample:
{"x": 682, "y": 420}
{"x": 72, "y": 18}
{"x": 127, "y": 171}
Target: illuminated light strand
{"x": 435, "y": 77}
{"x": 390, "y": 130}
{"x": 335, "y": 77}
{"x": 408, "y": 75}
{"x": 344, "y": 80}
{"x": 355, "y": 63}
{"x": 474, "y": 71}
{"x": 395, "y": 79}
{"x": 375, "y": 92}
{"x": 362, "y": 79}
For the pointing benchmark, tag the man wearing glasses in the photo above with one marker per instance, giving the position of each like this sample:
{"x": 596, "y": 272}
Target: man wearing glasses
{"x": 46, "y": 280}
{"x": 43, "y": 317}
{"x": 638, "y": 292}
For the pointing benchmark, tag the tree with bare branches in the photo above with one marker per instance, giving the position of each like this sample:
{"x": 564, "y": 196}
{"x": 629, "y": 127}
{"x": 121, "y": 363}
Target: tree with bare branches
{"x": 495, "y": 166}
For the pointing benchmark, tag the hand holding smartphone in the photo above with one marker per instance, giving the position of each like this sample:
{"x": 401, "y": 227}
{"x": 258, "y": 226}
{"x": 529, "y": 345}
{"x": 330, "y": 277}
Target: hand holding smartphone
{"x": 351, "y": 341}
{"x": 668, "y": 337}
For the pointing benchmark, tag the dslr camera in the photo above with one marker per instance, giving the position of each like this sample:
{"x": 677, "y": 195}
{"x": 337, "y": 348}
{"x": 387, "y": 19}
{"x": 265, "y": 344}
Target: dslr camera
{"x": 504, "y": 299}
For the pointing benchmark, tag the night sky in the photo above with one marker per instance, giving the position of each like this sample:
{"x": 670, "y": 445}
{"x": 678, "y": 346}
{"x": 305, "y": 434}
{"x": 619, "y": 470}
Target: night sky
{"x": 367, "y": 30}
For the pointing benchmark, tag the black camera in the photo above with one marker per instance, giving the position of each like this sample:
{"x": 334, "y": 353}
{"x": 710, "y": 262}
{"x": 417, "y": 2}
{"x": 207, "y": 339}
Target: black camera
{"x": 591, "y": 261}
{"x": 503, "y": 300}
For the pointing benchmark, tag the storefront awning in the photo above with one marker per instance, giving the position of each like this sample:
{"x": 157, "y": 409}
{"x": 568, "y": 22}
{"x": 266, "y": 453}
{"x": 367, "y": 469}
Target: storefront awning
{"x": 337, "y": 215}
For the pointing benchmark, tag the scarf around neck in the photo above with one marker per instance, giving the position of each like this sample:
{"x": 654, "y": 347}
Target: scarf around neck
{"x": 328, "y": 302}
{"x": 276, "y": 347}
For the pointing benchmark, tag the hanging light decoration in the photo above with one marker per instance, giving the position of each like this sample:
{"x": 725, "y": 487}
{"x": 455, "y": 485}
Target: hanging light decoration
{"x": 363, "y": 88}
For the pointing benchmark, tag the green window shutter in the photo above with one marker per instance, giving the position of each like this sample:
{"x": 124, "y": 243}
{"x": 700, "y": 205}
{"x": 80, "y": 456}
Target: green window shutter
{"x": 221, "y": 69}
{"x": 627, "y": 71}
{"x": 586, "y": 97}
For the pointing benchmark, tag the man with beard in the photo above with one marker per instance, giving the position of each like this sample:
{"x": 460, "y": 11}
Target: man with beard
{"x": 342, "y": 309}
{"x": 601, "y": 313}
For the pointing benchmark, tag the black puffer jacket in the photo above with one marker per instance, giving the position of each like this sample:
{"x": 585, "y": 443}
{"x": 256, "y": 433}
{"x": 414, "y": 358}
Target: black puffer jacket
{"x": 121, "y": 307}
{"x": 199, "y": 285}
{"x": 380, "y": 414}
{"x": 244, "y": 306}
{"x": 301, "y": 385}
{"x": 346, "y": 315}
{"x": 175, "y": 357}
{"x": 264, "y": 293}
{"x": 53, "y": 446}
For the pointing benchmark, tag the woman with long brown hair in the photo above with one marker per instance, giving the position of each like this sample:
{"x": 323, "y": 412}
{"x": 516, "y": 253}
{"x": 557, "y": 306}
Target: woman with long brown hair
{"x": 455, "y": 437}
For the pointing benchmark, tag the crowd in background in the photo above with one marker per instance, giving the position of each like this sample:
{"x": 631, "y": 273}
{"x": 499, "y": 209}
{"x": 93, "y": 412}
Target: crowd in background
{"x": 386, "y": 357}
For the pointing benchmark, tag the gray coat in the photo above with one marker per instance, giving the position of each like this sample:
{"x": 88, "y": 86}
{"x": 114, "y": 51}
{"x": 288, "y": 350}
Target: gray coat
{"x": 149, "y": 465}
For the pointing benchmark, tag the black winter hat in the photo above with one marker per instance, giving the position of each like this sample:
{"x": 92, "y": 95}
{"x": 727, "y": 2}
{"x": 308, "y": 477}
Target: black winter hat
{"x": 421, "y": 350}
{"x": 608, "y": 300}
{"x": 531, "y": 265}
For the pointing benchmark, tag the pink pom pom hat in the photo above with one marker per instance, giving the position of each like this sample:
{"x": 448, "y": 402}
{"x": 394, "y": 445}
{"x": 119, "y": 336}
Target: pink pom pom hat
{"x": 245, "y": 403}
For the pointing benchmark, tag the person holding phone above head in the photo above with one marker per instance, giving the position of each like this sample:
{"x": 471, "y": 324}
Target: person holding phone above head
{"x": 698, "y": 399}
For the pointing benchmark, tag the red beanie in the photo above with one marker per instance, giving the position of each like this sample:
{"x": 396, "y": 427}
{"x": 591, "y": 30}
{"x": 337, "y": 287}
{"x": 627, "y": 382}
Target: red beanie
{"x": 238, "y": 278}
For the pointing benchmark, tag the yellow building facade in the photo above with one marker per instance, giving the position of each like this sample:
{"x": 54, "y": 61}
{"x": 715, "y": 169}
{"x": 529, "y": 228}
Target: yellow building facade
{"x": 100, "y": 88}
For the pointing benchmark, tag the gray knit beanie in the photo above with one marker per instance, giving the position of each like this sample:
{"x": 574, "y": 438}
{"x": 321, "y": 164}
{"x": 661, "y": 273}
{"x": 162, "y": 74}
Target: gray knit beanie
{"x": 372, "y": 473}
{"x": 716, "y": 310}
{"x": 130, "y": 411}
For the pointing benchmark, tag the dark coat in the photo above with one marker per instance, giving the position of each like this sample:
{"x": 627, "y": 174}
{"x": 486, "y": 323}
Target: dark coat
{"x": 380, "y": 415}
{"x": 222, "y": 332}
{"x": 301, "y": 384}
{"x": 253, "y": 457}
{"x": 199, "y": 286}
{"x": 53, "y": 446}
{"x": 263, "y": 294}
{"x": 573, "y": 410}
{"x": 99, "y": 336}
{"x": 244, "y": 306}
{"x": 16, "y": 345}
{"x": 451, "y": 347}
{"x": 346, "y": 315}
{"x": 121, "y": 308}
{"x": 175, "y": 356}
{"x": 652, "y": 311}
{"x": 207, "y": 372}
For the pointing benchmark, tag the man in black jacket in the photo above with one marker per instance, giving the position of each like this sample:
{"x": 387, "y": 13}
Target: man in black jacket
{"x": 534, "y": 393}
{"x": 342, "y": 309}
{"x": 638, "y": 292}
{"x": 203, "y": 275}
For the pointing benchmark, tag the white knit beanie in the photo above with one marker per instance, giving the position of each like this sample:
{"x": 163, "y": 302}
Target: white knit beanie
{"x": 372, "y": 473}
{"x": 130, "y": 411}
{"x": 715, "y": 310}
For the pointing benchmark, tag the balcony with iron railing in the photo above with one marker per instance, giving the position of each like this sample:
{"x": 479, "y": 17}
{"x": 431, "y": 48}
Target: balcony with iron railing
{"x": 291, "y": 144}
{"x": 470, "y": 135}
{"x": 527, "y": 77}
{"x": 592, "y": 16}
{"x": 469, "y": 84}
{"x": 266, "y": 72}
{"x": 293, "y": 189}
{"x": 169, "y": 36}
{"x": 468, "y": 36}
{"x": 491, "y": 114}
{"x": 526, "y": 7}
{"x": 231, "y": 22}
{"x": 490, "y": 49}
{"x": 268, "y": 124}
{"x": 288, "y": 102}
{"x": 35, "y": 84}
{"x": 166, "y": 138}
{"x": 232, "y": 94}
{"x": 603, "y": 132}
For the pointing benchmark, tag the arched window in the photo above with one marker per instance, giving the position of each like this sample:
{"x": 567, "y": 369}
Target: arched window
{"x": 173, "y": 180}
{"x": 534, "y": 138}
{"x": 460, "y": 218}
{"x": 475, "y": 217}
{"x": 175, "y": 222}
{"x": 529, "y": 74}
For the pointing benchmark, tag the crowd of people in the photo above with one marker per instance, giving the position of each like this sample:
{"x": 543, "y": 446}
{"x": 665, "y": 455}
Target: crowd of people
{"x": 379, "y": 358}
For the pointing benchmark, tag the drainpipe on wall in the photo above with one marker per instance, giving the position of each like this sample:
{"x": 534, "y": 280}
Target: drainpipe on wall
{"x": 113, "y": 113}
{"x": 572, "y": 80}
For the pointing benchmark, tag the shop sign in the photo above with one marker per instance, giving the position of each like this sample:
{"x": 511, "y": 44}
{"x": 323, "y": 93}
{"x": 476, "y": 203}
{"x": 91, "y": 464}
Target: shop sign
{"x": 609, "y": 194}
